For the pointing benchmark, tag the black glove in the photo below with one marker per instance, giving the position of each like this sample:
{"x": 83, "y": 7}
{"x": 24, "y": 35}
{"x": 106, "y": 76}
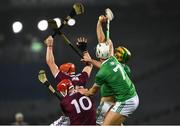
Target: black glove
{"x": 82, "y": 44}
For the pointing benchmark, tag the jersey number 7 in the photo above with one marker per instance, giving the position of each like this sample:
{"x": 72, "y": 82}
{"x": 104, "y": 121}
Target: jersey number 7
{"x": 119, "y": 67}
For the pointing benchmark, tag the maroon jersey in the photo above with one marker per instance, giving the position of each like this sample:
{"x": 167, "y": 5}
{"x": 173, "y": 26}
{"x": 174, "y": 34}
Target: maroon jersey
{"x": 79, "y": 108}
{"x": 78, "y": 79}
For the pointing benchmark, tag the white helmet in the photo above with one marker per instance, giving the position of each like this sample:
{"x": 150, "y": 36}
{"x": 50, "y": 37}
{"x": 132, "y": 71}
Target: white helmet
{"x": 102, "y": 50}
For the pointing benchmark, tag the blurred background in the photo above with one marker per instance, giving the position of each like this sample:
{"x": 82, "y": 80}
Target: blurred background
{"x": 150, "y": 29}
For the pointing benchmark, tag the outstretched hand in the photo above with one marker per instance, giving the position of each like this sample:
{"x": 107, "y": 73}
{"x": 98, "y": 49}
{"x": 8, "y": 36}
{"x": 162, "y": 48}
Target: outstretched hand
{"x": 82, "y": 43}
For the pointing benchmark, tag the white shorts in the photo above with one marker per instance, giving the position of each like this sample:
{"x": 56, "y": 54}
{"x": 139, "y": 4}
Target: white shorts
{"x": 62, "y": 121}
{"x": 102, "y": 109}
{"x": 127, "y": 107}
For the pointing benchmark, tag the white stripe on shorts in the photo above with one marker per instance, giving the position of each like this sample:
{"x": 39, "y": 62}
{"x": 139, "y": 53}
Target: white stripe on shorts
{"x": 127, "y": 107}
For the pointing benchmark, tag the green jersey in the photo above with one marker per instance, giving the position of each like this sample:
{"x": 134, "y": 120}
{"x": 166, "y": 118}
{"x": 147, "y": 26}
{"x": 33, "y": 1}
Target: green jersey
{"x": 127, "y": 70}
{"x": 113, "y": 77}
{"x": 106, "y": 91}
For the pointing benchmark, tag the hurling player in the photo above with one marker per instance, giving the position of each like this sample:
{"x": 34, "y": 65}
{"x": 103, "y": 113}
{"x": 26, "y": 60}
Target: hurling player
{"x": 79, "y": 108}
{"x": 116, "y": 87}
{"x": 67, "y": 70}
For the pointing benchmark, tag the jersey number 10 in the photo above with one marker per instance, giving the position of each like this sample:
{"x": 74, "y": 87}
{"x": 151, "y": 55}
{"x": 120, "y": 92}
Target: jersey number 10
{"x": 80, "y": 103}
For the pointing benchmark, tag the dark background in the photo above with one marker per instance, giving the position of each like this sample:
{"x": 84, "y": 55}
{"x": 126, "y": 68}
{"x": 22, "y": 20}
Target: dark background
{"x": 150, "y": 29}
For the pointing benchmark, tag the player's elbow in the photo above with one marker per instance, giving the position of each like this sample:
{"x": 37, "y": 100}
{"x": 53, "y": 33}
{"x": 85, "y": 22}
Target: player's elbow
{"x": 101, "y": 39}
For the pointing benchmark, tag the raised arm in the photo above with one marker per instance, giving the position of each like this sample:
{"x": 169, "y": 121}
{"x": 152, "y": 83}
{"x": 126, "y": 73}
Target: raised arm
{"x": 99, "y": 29}
{"x": 82, "y": 45}
{"x": 100, "y": 34}
{"x": 95, "y": 63}
{"x": 50, "y": 56}
{"x": 111, "y": 47}
{"x": 89, "y": 66}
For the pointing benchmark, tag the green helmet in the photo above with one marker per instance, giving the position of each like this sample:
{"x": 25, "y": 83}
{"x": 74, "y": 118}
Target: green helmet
{"x": 122, "y": 54}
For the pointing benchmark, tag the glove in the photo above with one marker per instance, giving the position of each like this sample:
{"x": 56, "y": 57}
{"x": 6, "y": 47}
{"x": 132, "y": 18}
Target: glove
{"x": 82, "y": 44}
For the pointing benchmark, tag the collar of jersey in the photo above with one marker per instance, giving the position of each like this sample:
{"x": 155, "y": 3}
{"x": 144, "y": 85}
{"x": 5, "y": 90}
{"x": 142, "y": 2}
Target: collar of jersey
{"x": 106, "y": 60}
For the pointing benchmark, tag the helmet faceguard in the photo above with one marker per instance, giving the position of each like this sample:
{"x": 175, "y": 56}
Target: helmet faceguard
{"x": 103, "y": 51}
{"x": 67, "y": 68}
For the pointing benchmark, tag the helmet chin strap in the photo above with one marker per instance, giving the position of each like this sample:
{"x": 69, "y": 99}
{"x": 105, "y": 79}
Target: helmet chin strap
{"x": 101, "y": 59}
{"x": 72, "y": 91}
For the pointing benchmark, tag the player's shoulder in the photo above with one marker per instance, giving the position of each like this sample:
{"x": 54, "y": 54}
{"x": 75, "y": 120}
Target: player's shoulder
{"x": 109, "y": 61}
{"x": 74, "y": 94}
{"x": 82, "y": 73}
{"x": 79, "y": 74}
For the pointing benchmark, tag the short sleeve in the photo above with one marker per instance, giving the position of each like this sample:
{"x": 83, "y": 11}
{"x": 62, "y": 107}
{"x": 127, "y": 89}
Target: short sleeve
{"x": 60, "y": 76}
{"x": 127, "y": 70}
{"x": 80, "y": 79}
{"x": 99, "y": 80}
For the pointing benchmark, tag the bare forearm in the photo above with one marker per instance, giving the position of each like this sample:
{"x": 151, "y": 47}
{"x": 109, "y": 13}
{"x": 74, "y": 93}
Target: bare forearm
{"x": 100, "y": 33}
{"x": 96, "y": 63}
{"x": 93, "y": 90}
{"x": 88, "y": 69}
{"x": 50, "y": 55}
{"x": 111, "y": 47}
{"x": 89, "y": 66}
{"x": 51, "y": 62}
